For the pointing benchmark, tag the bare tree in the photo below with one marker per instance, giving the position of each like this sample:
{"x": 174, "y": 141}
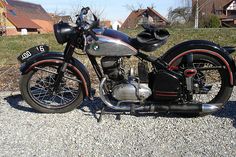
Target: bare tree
{"x": 186, "y": 3}
{"x": 97, "y": 12}
{"x": 180, "y": 14}
{"x": 153, "y": 6}
{"x": 58, "y": 12}
{"x": 140, "y": 6}
{"x": 132, "y": 7}
{"x": 76, "y": 10}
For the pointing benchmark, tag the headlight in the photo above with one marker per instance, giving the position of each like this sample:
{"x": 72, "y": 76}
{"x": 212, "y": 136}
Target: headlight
{"x": 63, "y": 32}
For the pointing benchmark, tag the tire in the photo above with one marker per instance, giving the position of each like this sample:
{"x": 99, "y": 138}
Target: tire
{"x": 28, "y": 96}
{"x": 225, "y": 90}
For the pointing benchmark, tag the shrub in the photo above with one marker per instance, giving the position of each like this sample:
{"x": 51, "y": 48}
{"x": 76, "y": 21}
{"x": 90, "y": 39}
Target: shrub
{"x": 210, "y": 21}
{"x": 214, "y": 21}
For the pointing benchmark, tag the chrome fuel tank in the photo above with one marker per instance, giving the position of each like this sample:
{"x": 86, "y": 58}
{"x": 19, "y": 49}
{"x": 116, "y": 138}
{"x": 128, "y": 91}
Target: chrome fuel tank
{"x": 108, "y": 45}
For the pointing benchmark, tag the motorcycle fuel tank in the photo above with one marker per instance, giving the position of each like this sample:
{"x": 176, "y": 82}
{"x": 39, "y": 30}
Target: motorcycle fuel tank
{"x": 111, "y": 43}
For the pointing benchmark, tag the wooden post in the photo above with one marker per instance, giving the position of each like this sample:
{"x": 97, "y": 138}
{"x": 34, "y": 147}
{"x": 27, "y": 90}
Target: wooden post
{"x": 197, "y": 15}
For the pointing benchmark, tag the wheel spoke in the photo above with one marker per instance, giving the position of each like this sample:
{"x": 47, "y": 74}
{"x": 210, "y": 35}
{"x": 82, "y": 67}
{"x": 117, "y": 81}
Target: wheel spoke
{"x": 41, "y": 87}
{"x": 208, "y": 75}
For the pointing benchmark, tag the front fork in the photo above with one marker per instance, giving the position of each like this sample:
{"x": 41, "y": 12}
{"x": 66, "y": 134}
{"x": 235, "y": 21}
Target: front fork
{"x": 61, "y": 71}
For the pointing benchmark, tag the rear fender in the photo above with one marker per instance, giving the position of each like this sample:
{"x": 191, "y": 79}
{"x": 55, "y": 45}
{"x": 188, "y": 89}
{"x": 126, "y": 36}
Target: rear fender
{"x": 58, "y": 57}
{"x": 202, "y": 46}
{"x": 230, "y": 49}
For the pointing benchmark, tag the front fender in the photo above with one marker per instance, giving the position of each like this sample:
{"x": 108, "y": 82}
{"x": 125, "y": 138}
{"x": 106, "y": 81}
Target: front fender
{"x": 59, "y": 57}
{"x": 203, "y": 46}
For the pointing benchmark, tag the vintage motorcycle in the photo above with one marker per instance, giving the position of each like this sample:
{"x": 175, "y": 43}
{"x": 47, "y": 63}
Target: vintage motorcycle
{"x": 194, "y": 77}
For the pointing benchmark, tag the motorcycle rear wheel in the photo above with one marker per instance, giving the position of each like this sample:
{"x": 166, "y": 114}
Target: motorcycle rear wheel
{"x": 37, "y": 89}
{"x": 211, "y": 78}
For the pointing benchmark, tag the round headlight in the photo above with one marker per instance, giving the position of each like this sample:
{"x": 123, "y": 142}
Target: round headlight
{"x": 63, "y": 32}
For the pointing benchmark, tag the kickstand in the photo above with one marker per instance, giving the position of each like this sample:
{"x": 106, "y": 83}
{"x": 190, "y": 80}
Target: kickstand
{"x": 132, "y": 109}
{"x": 102, "y": 113}
{"x": 118, "y": 117}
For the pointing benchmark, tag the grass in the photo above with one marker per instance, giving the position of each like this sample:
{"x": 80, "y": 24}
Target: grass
{"x": 11, "y": 47}
{"x": 224, "y": 37}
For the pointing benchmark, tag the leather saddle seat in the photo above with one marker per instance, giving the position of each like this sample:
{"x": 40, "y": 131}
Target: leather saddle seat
{"x": 148, "y": 40}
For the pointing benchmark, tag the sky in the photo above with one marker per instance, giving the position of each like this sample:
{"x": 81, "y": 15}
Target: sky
{"x": 112, "y": 9}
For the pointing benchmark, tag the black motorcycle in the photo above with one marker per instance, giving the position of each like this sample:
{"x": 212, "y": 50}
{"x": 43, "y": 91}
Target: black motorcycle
{"x": 194, "y": 77}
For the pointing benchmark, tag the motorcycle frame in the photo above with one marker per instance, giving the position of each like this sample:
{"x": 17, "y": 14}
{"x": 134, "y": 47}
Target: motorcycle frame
{"x": 159, "y": 63}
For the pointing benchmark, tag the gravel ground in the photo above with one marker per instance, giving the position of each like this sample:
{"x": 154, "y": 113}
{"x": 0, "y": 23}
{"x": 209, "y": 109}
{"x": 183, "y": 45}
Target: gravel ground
{"x": 27, "y": 133}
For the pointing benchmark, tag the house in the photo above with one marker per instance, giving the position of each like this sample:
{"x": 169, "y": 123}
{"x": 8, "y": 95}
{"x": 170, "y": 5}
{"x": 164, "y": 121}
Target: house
{"x": 58, "y": 18}
{"x": 19, "y": 17}
{"x": 13, "y": 21}
{"x": 105, "y": 23}
{"x": 144, "y": 16}
{"x": 224, "y": 9}
{"x": 116, "y": 25}
{"x": 36, "y": 13}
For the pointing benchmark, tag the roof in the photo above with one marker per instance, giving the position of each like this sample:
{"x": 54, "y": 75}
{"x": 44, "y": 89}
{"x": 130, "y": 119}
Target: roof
{"x": 212, "y": 5}
{"x": 47, "y": 26}
{"x": 156, "y": 13}
{"x": 132, "y": 19}
{"x": 28, "y": 15}
{"x": 105, "y": 23}
{"x": 18, "y": 18}
{"x": 33, "y": 11}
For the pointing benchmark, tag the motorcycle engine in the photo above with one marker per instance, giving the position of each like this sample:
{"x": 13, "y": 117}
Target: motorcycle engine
{"x": 127, "y": 85}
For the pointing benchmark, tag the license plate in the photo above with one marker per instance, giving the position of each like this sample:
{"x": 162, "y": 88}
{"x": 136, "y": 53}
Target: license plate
{"x": 26, "y": 55}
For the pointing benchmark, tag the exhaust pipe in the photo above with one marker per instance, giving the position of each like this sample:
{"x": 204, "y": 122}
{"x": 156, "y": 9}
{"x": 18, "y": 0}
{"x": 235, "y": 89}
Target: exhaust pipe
{"x": 188, "y": 108}
{"x": 210, "y": 108}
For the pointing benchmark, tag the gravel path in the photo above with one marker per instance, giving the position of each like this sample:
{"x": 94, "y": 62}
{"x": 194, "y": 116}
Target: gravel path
{"x": 26, "y": 133}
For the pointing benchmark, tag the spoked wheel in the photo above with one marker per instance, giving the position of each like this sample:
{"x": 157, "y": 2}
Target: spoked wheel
{"x": 211, "y": 83}
{"x": 207, "y": 83}
{"x": 37, "y": 88}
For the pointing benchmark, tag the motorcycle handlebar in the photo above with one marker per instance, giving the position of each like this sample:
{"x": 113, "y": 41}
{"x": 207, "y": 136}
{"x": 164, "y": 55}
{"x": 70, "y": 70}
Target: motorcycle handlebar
{"x": 85, "y": 26}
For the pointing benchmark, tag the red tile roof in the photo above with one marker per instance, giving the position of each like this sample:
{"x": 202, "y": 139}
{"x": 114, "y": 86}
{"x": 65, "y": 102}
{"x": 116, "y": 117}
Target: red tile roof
{"x": 18, "y": 18}
{"x": 211, "y": 5}
{"x": 28, "y": 15}
{"x": 47, "y": 26}
{"x": 33, "y": 11}
{"x": 133, "y": 18}
{"x": 105, "y": 23}
{"x": 157, "y": 14}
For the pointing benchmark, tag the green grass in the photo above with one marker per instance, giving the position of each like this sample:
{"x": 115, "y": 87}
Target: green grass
{"x": 11, "y": 47}
{"x": 224, "y": 37}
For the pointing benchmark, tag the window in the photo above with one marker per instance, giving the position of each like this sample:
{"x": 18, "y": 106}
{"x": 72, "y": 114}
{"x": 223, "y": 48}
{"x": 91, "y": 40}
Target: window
{"x": 12, "y": 12}
{"x": 219, "y": 12}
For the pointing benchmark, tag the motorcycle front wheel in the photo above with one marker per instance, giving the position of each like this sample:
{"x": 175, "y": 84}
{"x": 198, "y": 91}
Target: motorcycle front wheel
{"x": 37, "y": 89}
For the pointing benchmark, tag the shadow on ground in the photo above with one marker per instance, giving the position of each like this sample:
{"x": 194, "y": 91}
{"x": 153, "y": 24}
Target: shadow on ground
{"x": 93, "y": 108}
{"x": 229, "y": 111}
{"x": 14, "y": 101}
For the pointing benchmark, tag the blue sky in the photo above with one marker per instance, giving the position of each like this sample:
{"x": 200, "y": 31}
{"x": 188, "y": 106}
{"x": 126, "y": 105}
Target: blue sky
{"x": 113, "y": 9}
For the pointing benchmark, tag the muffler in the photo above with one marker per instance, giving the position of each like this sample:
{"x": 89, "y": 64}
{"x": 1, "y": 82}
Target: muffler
{"x": 154, "y": 107}
{"x": 210, "y": 108}
{"x": 189, "y": 108}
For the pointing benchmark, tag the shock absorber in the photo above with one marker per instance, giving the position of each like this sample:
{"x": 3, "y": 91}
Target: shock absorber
{"x": 189, "y": 74}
